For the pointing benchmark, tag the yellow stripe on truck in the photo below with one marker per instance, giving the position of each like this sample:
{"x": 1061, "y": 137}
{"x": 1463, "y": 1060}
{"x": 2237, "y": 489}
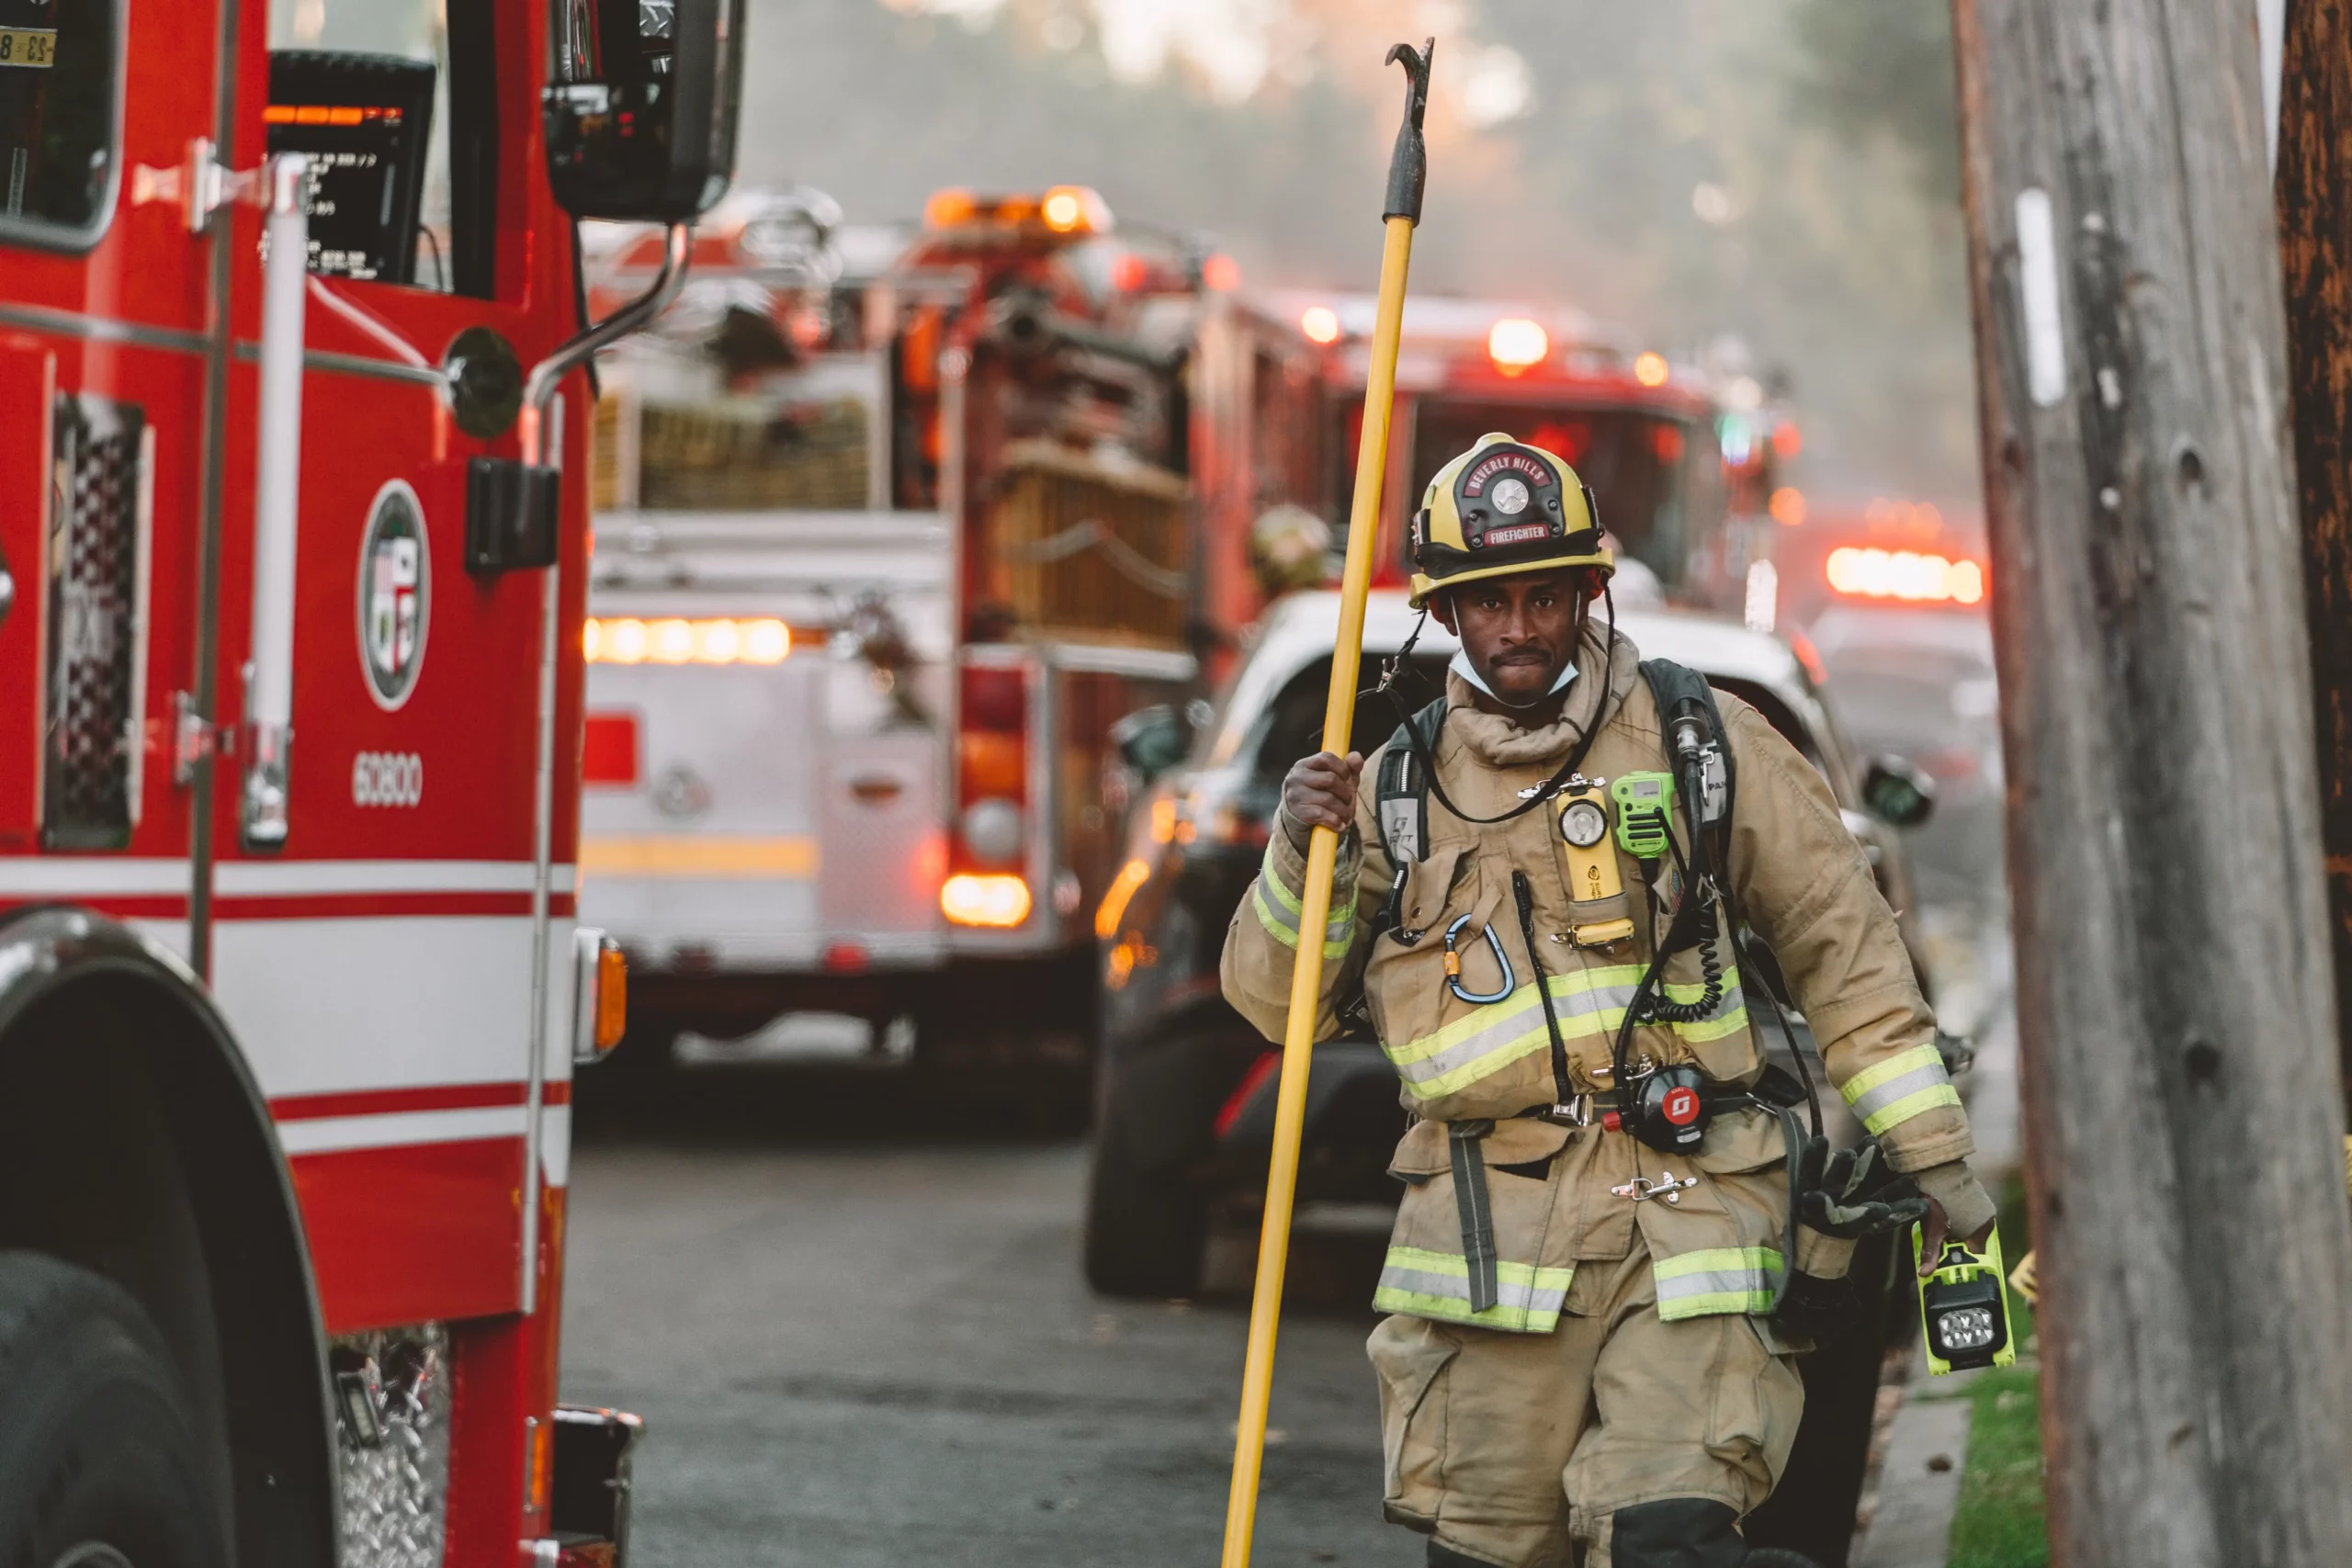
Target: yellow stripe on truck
{"x": 703, "y": 856}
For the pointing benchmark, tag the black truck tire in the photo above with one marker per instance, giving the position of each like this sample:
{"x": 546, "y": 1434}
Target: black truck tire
{"x": 99, "y": 1465}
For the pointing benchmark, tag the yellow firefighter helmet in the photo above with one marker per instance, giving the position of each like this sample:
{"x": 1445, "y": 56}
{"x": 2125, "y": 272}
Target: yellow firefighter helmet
{"x": 1503, "y": 508}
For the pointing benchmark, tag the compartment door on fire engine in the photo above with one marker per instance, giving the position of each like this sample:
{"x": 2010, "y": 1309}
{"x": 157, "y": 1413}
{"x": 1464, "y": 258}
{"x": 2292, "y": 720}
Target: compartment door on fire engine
{"x": 103, "y": 313}
{"x": 400, "y": 1065}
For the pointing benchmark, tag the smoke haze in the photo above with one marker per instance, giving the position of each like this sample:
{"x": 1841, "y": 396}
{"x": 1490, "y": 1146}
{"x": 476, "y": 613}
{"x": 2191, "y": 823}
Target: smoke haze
{"x": 1780, "y": 170}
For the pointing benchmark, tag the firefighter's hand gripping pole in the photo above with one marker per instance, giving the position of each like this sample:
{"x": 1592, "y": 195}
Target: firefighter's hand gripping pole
{"x": 1406, "y": 169}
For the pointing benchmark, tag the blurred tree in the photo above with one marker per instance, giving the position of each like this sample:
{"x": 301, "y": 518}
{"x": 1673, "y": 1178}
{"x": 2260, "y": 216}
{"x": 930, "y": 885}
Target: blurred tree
{"x": 1882, "y": 68}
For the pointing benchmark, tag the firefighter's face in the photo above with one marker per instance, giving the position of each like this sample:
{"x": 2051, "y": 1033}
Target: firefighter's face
{"x": 1520, "y": 632}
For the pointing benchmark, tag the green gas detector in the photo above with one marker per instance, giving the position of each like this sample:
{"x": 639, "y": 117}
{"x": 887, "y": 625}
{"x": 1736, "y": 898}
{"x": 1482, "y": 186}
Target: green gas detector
{"x": 1964, "y": 1308}
{"x": 1644, "y": 805}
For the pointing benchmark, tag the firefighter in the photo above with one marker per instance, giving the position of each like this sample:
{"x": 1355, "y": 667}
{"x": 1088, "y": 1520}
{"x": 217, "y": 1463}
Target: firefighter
{"x": 1594, "y": 1310}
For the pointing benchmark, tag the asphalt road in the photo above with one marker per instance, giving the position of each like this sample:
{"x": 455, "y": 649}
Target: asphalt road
{"x": 861, "y": 1340}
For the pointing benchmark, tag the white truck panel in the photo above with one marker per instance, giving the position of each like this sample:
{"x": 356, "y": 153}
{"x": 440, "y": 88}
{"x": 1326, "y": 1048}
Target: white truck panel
{"x": 782, "y": 811}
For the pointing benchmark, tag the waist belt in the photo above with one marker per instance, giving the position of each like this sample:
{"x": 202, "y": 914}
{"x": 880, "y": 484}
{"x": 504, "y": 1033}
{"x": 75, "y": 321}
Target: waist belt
{"x": 1579, "y": 1112}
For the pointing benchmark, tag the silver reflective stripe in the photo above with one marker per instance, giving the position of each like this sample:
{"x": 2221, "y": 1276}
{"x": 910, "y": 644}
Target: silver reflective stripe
{"x": 1517, "y": 1022}
{"x": 1902, "y": 1087}
{"x": 1420, "y": 1283}
{"x": 1716, "y": 1279}
{"x": 1278, "y": 908}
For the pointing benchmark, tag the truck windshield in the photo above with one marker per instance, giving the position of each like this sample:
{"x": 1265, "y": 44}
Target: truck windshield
{"x": 57, "y": 115}
{"x": 1632, "y": 458}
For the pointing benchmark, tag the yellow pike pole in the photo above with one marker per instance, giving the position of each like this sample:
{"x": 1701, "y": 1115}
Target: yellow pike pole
{"x": 1406, "y": 169}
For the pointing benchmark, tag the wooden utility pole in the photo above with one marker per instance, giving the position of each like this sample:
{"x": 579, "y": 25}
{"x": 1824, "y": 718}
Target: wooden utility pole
{"x": 2174, "y": 999}
{"x": 2315, "y": 192}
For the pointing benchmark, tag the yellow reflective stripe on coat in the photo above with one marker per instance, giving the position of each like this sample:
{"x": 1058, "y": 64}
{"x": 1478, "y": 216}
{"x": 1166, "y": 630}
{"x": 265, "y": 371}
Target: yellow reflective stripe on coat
{"x": 1590, "y": 1004}
{"x": 1416, "y": 1282}
{"x": 1280, "y": 913}
{"x": 1907, "y": 1084}
{"x": 1716, "y": 1279}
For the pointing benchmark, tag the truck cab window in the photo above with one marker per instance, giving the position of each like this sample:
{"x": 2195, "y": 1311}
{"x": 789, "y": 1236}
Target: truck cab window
{"x": 59, "y": 104}
{"x": 394, "y": 100}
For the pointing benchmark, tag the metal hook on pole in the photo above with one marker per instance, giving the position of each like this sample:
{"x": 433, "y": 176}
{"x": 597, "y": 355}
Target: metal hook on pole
{"x": 1407, "y": 171}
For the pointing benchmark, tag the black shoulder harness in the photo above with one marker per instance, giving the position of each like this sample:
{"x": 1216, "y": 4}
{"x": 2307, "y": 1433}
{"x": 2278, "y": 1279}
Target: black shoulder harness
{"x": 1401, "y": 808}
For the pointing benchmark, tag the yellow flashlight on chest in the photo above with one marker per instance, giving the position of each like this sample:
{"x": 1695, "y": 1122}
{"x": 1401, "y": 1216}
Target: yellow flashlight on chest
{"x": 1597, "y": 911}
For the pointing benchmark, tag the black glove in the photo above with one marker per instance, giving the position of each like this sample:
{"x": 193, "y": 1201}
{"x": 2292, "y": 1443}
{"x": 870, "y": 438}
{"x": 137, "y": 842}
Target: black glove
{"x": 1854, "y": 1193}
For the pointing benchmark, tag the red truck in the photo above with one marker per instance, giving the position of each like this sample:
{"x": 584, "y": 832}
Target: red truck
{"x": 293, "y": 548}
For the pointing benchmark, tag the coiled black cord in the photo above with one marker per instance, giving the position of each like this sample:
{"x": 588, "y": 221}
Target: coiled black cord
{"x": 1711, "y": 971}
{"x": 1693, "y": 923}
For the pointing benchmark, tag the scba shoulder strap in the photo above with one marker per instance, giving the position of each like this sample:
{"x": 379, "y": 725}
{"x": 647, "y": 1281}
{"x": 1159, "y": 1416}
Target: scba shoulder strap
{"x": 1401, "y": 808}
{"x": 1401, "y": 795}
{"x": 1682, "y": 695}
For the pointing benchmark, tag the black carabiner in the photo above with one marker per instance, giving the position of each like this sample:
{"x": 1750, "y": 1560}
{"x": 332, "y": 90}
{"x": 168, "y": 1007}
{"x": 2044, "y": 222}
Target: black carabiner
{"x": 1454, "y": 965}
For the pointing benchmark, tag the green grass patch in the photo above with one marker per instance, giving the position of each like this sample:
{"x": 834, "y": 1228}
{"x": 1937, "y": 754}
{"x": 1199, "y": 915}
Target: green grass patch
{"x": 2001, "y": 1521}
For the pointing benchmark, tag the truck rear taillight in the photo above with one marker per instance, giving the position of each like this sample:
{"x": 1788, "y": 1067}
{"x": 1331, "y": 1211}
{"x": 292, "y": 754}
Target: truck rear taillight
{"x": 990, "y": 766}
{"x": 995, "y": 698}
{"x": 610, "y": 749}
{"x": 992, "y": 779}
{"x": 993, "y": 901}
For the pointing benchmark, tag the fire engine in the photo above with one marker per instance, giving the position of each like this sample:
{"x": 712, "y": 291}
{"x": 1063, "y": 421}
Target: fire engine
{"x": 895, "y": 526}
{"x": 292, "y": 560}
{"x": 1684, "y": 453}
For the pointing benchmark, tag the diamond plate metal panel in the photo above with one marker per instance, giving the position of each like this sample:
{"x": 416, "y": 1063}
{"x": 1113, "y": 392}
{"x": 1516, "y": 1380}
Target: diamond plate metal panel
{"x": 393, "y": 1445}
{"x": 89, "y": 763}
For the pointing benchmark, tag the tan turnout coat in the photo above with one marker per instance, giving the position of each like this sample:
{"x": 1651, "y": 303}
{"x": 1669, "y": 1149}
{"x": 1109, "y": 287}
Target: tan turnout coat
{"x": 1718, "y": 1245}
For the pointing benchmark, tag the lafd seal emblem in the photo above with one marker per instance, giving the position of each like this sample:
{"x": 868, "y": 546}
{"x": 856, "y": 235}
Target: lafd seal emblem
{"x": 395, "y": 594}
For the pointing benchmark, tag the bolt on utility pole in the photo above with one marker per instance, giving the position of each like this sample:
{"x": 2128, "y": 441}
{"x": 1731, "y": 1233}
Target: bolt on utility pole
{"x": 2175, "y": 1002}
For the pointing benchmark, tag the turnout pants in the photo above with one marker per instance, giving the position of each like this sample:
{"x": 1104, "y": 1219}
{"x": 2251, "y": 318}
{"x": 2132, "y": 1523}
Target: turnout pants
{"x": 1505, "y": 1447}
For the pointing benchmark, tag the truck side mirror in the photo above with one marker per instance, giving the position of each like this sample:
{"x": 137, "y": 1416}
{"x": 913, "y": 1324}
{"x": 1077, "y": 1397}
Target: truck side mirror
{"x": 1152, "y": 741}
{"x": 641, "y": 113}
{"x": 1898, "y": 792}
